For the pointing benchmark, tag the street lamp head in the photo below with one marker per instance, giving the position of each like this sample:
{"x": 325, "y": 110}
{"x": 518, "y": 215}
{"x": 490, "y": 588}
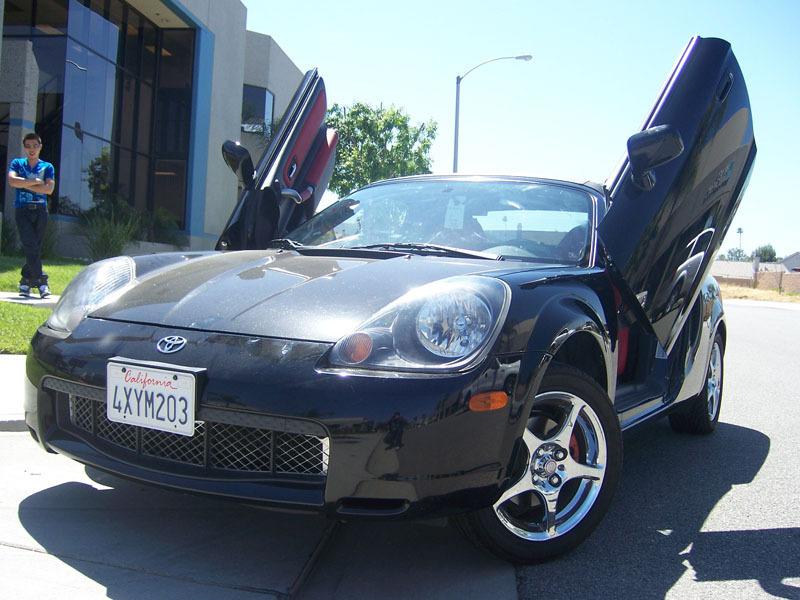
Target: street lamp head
{"x": 459, "y": 79}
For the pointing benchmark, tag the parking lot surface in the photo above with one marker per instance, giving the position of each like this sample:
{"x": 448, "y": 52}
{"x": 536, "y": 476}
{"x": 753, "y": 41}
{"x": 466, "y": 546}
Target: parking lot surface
{"x": 695, "y": 517}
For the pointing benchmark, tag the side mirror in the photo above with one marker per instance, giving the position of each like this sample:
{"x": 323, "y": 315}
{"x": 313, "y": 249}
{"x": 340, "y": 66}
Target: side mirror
{"x": 649, "y": 149}
{"x": 238, "y": 159}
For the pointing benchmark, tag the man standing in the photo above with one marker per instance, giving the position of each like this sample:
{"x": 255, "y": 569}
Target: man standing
{"x": 34, "y": 180}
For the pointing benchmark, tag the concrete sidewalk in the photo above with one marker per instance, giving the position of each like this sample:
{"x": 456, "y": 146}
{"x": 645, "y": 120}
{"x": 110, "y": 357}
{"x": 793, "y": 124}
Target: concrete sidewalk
{"x": 12, "y": 397}
{"x": 12, "y": 370}
{"x": 70, "y": 529}
{"x": 34, "y": 300}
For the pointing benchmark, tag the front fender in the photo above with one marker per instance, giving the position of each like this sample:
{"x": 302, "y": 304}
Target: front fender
{"x": 573, "y": 309}
{"x": 544, "y": 317}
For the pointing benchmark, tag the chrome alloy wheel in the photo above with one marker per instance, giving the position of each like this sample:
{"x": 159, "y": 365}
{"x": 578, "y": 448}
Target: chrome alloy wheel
{"x": 566, "y": 464}
{"x": 714, "y": 381}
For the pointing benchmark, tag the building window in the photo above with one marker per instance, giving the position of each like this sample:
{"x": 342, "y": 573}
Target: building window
{"x": 257, "y": 107}
{"x": 170, "y": 150}
{"x": 17, "y": 17}
{"x": 114, "y": 101}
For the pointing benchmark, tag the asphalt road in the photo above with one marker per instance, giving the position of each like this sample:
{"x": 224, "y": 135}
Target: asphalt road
{"x": 710, "y": 516}
{"x": 695, "y": 517}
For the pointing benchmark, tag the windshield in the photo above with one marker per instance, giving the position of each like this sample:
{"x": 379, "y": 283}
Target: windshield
{"x": 513, "y": 219}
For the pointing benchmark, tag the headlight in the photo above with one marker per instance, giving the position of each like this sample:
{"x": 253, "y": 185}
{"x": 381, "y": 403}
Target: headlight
{"x": 98, "y": 284}
{"x": 444, "y": 326}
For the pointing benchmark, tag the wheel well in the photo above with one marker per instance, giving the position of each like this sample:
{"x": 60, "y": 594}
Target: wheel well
{"x": 723, "y": 332}
{"x": 582, "y": 352}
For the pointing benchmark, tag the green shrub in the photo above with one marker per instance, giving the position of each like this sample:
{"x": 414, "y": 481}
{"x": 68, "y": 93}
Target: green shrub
{"x": 109, "y": 226}
{"x": 161, "y": 226}
{"x": 10, "y": 244}
{"x": 49, "y": 240}
{"x": 9, "y": 241}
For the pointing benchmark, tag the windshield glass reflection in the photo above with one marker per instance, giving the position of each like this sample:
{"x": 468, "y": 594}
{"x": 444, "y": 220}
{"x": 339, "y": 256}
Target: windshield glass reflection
{"x": 513, "y": 219}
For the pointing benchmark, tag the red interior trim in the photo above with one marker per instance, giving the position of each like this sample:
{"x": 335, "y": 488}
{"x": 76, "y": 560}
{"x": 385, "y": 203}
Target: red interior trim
{"x": 321, "y": 160}
{"x": 623, "y": 337}
{"x": 305, "y": 139}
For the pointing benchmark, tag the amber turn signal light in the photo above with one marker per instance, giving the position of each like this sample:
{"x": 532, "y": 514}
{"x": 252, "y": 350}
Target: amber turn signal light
{"x": 356, "y": 348}
{"x": 486, "y": 401}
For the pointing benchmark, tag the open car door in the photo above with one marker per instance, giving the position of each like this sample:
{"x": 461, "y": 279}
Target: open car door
{"x": 285, "y": 188}
{"x": 669, "y": 215}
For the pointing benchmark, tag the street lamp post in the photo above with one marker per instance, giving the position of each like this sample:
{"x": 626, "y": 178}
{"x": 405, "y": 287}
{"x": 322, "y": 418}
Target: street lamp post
{"x": 459, "y": 79}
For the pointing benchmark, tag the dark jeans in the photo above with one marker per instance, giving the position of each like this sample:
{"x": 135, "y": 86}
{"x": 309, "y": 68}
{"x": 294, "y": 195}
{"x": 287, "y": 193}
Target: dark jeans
{"x": 31, "y": 224}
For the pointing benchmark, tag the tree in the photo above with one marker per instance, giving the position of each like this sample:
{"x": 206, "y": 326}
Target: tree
{"x": 765, "y": 253}
{"x": 736, "y": 254}
{"x": 98, "y": 175}
{"x": 377, "y": 143}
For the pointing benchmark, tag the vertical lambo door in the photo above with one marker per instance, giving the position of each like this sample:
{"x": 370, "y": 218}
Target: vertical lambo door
{"x": 285, "y": 188}
{"x": 673, "y": 198}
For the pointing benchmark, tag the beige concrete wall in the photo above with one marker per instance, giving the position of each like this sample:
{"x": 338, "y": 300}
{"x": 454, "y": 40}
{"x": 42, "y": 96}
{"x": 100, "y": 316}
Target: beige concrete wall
{"x": 738, "y": 281}
{"x": 768, "y": 280}
{"x": 267, "y": 65}
{"x": 790, "y": 283}
{"x": 19, "y": 84}
{"x": 787, "y": 283}
{"x": 240, "y": 57}
{"x": 227, "y": 20}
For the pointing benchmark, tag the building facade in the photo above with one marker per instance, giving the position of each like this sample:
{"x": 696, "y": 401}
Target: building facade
{"x": 133, "y": 99}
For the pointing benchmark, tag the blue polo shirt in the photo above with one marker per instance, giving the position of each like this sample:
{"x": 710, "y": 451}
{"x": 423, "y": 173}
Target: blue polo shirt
{"x": 43, "y": 170}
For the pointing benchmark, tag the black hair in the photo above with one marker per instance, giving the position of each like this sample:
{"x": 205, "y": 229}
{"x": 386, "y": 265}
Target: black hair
{"x": 32, "y": 136}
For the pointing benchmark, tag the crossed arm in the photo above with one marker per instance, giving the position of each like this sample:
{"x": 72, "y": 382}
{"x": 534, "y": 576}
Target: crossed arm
{"x": 34, "y": 185}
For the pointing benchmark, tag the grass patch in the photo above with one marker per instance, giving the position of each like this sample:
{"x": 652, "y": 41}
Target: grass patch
{"x": 731, "y": 292}
{"x": 60, "y": 271}
{"x": 18, "y": 323}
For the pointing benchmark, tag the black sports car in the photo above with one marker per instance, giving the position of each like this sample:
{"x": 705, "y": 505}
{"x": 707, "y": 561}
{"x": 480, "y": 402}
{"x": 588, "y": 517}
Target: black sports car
{"x": 427, "y": 346}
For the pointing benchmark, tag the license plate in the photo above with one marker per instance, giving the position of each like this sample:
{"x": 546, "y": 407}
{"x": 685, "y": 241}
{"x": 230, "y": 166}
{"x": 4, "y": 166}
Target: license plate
{"x": 156, "y": 397}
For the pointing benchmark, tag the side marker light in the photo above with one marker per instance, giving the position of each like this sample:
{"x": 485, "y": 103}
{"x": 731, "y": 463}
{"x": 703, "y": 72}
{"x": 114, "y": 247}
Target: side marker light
{"x": 486, "y": 401}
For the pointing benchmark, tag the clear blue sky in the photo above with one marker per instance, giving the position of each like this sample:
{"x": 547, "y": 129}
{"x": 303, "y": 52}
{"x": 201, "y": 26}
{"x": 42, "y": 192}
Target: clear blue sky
{"x": 596, "y": 71}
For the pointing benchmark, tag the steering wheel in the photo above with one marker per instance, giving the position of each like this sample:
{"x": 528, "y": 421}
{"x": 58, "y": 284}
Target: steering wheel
{"x": 524, "y": 247}
{"x": 461, "y": 238}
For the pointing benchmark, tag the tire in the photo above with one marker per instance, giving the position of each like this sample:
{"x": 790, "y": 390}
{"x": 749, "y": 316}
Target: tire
{"x": 699, "y": 415}
{"x": 570, "y": 465}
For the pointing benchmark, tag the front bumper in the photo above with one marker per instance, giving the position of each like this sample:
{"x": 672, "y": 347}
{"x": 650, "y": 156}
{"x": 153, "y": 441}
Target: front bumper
{"x": 278, "y": 431}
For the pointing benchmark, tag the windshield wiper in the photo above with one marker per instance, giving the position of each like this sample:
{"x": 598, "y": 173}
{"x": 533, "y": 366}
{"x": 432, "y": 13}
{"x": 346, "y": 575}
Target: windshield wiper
{"x": 430, "y": 249}
{"x": 284, "y": 244}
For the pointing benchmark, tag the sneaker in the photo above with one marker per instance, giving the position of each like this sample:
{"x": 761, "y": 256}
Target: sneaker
{"x": 24, "y": 290}
{"x": 44, "y": 291}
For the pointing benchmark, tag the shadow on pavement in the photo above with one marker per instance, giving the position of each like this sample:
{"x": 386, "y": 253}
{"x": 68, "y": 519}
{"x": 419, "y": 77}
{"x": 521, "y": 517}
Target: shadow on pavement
{"x": 651, "y": 535}
{"x": 670, "y": 485}
{"x": 402, "y": 560}
{"x": 136, "y": 540}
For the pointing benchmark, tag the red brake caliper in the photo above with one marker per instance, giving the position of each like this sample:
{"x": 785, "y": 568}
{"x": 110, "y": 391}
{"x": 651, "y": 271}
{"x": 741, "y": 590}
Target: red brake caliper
{"x": 574, "y": 450}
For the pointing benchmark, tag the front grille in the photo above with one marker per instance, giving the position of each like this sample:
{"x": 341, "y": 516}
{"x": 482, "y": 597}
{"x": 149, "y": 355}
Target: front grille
{"x": 214, "y": 445}
{"x": 118, "y": 433}
{"x": 241, "y": 448}
{"x": 180, "y": 448}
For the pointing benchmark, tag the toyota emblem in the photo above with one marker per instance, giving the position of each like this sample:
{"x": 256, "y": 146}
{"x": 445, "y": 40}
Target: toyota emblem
{"x": 170, "y": 344}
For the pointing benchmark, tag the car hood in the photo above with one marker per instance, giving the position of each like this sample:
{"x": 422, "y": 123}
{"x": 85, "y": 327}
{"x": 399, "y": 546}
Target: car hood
{"x": 283, "y": 294}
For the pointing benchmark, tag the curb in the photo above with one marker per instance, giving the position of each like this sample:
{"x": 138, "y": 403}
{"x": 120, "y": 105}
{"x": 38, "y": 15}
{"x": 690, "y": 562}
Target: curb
{"x": 15, "y": 426}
